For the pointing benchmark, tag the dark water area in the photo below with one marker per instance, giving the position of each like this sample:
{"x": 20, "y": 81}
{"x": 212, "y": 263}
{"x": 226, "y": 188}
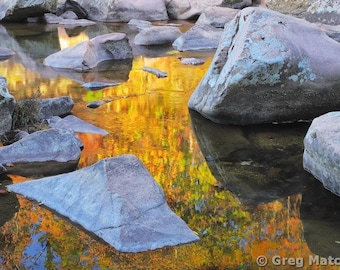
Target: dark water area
{"x": 242, "y": 189}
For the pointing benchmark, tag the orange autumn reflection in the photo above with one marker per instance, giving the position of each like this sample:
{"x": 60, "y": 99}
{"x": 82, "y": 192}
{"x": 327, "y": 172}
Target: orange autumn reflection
{"x": 148, "y": 117}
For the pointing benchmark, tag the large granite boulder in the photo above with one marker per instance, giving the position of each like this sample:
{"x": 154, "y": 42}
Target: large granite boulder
{"x": 321, "y": 156}
{"x": 117, "y": 199}
{"x": 269, "y": 67}
{"x": 157, "y": 35}
{"x": 124, "y": 10}
{"x": 43, "y": 152}
{"x": 88, "y": 54}
{"x": 20, "y": 10}
{"x": 7, "y": 103}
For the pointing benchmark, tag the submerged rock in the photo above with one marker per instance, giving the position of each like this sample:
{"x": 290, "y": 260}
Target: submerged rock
{"x": 321, "y": 156}
{"x": 31, "y": 154}
{"x": 269, "y": 67}
{"x": 88, "y": 54}
{"x": 124, "y": 206}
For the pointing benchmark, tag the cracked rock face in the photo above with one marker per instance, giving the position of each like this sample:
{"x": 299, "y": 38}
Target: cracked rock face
{"x": 116, "y": 199}
{"x": 269, "y": 67}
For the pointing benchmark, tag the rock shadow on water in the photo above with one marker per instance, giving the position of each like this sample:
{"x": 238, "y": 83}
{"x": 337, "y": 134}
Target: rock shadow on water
{"x": 321, "y": 220}
{"x": 257, "y": 163}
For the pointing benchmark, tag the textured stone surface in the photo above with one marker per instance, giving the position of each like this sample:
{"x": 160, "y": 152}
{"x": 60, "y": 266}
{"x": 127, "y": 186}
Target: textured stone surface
{"x": 157, "y": 35}
{"x": 269, "y": 67}
{"x": 89, "y": 54}
{"x": 321, "y": 156}
{"x": 116, "y": 199}
{"x": 199, "y": 37}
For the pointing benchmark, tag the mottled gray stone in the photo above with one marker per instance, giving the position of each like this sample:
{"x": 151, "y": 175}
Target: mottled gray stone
{"x": 124, "y": 11}
{"x": 269, "y": 67}
{"x": 157, "y": 35}
{"x": 321, "y": 155}
{"x": 217, "y": 16}
{"x": 116, "y": 199}
{"x": 89, "y": 54}
{"x": 199, "y": 37}
{"x": 57, "y": 106}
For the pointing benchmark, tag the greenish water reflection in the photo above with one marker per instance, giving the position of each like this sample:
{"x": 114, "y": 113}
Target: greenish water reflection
{"x": 207, "y": 171}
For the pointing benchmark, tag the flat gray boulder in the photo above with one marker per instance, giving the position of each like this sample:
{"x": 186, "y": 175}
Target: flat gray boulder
{"x": 57, "y": 147}
{"x": 217, "y": 16}
{"x": 125, "y": 207}
{"x": 321, "y": 155}
{"x": 72, "y": 122}
{"x": 88, "y": 54}
{"x": 198, "y": 37}
{"x": 7, "y": 103}
{"x": 269, "y": 67}
{"x": 157, "y": 35}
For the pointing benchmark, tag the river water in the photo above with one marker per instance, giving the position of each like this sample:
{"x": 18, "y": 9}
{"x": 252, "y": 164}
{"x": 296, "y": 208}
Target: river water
{"x": 241, "y": 189}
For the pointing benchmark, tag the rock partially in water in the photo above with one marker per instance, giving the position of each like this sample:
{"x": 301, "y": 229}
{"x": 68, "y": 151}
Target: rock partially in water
{"x": 7, "y": 103}
{"x": 140, "y": 24}
{"x": 267, "y": 69}
{"x": 192, "y": 61}
{"x": 158, "y": 73}
{"x": 217, "y": 16}
{"x": 98, "y": 85}
{"x": 157, "y": 35}
{"x": 75, "y": 124}
{"x": 88, "y": 54}
{"x": 58, "y": 106}
{"x": 95, "y": 104}
{"x": 117, "y": 199}
{"x": 59, "y": 148}
{"x": 321, "y": 156}
{"x": 199, "y": 37}
{"x": 5, "y": 53}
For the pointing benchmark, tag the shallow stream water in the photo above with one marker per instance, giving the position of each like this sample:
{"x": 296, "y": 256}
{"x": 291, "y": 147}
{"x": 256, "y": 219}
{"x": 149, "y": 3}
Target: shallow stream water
{"x": 241, "y": 189}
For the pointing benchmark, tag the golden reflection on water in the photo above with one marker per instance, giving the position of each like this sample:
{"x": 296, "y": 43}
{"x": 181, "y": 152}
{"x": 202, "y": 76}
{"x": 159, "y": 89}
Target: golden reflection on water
{"x": 148, "y": 117}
